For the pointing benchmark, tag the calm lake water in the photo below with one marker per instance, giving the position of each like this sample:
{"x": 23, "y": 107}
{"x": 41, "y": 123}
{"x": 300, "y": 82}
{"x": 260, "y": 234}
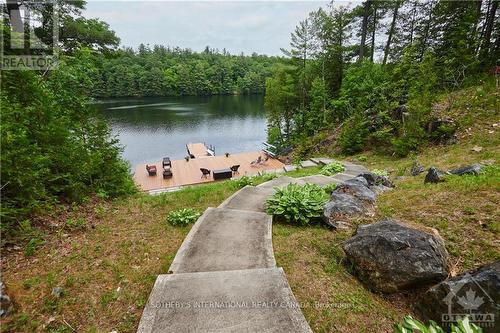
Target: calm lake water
{"x": 151, "y": 128}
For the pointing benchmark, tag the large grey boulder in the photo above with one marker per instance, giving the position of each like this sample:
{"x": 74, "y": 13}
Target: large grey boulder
{"x": 476, "y": 293}
{"x": 474, "y": 169}
{"x": 351, "y": 198}
{"x": 341, "y": 207}
{"x": 389, "y": 256}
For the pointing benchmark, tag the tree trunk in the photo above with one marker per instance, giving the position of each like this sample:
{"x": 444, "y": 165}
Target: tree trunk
{"x": 364, "y": 29}
{"x": 426, "y": 34}
{"x": 391, "y": 32}
{"x": 374, "y": 29}
{"x": 489, "y": 28}
{"x": 15, "y": 16}
{"x": 412, "y": 29}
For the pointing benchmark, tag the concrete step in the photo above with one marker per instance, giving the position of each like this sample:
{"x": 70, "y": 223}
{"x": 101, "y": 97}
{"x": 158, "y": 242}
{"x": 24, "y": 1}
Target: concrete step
{"x": 354, "y": 169}
{"x": 248, "y": 198}
{"x": 256, "y": 300}
{"x": 322, "y": 160}
{"x": 226, "y": 239}
{"x": 307, "y": 164}
{"x": 280, "y": 182}
{"x": 342, "y": 176}
{"x": 320, "y": 180}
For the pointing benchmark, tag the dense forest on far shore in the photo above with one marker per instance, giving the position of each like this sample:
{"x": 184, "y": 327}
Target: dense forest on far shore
{"x": 165, "y": 71}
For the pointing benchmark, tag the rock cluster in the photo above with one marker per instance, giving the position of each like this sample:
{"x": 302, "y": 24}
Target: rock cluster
{"x": 389, "y": 256}
{"x": 435, "y": 176}
{"x": 5, "y": 302}
{"x": 354, "y": 197}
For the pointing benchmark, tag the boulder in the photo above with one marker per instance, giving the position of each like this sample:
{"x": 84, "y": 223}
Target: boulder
{"x": 358, "y": 188}
{"x": 389, "y": 256}
{"x": 342, "y": 206}
{"x": 374, "y": 179}
{"x": 5, "y": 301}
{"x": 434, "y": 176}
{"x": 476, "y": 293}
{"x": 416, "y": 169}
{"x": 474, "y": 169}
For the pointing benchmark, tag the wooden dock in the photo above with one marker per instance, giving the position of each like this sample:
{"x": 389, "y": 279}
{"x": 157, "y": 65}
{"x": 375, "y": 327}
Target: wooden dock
{"x": 188, "y": 172}
{"x": 198, "y": 150}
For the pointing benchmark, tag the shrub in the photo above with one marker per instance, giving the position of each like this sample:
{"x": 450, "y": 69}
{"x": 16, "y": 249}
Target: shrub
{"x": 330, "y": 188}
{"x": 332, "y": 169}
{"x": 298, "y": 203}
{"x": 379, "y": 172}
{"x": 410, "y": 325}
{"x": 183, "y": 216}
{"x": 242, "y": 181}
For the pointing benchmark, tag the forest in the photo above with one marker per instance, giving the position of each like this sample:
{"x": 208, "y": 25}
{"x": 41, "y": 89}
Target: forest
{"x": 165, "y": 71}
{"x": 365, "y": 77}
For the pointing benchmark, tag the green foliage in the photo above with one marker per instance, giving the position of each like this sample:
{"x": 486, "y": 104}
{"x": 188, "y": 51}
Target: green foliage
{"x": 332, "y": 169}
{"x": 54, "y": 147}
{"x": 242, "y": 181}
{"x": 32, "y": 246}
{"x": 410, "y": 325}
{"x": 183, "y": 216}
{"x": 75, "y": 224}
{"x": 380, "y": 172}
{"x": 298, "y": 203}
{"x": 165, "y": 71}
{"x": 330, "y": 188}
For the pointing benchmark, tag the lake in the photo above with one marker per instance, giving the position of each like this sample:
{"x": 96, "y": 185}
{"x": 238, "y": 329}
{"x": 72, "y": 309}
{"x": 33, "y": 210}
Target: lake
{"x": 151, "y": 128}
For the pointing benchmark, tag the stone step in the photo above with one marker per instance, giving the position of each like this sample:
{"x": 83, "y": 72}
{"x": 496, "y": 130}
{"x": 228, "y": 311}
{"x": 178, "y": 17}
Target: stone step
{"x": 255, "y": 300}
{"x": 322, "y": 160}
{"x": 249, "y": 198}
{"x": 354, "y": 169}
{"x": 320, "y": 180}
{"x": 226, "y": 239}
{"x": 280, "y": 182}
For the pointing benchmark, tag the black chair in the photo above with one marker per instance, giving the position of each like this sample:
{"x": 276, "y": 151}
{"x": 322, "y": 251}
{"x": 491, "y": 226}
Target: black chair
{"x": 166, "y": 162}
{"x": 151, "y": 169}
{"x": 234, "y": 169}
{"x": 204, "y": 173}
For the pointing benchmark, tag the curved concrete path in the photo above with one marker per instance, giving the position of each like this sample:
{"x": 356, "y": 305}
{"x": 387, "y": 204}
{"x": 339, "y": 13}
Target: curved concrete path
{"x": 225, "y": 277}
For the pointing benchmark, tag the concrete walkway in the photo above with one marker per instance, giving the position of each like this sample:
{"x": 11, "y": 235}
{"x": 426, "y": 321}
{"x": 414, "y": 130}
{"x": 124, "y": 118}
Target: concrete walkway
{"x": 225, "y": 277}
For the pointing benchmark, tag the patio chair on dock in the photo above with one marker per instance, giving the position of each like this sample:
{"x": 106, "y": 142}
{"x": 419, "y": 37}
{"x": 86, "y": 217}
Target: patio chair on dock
{"x": 151, "y": 169}
{"x": 257, "y": 161}
{"x": 234, "y": 169}
{"x": 204, "y": 173}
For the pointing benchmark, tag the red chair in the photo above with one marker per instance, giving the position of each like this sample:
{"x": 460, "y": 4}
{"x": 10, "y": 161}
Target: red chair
{"x": 151, "y": 169}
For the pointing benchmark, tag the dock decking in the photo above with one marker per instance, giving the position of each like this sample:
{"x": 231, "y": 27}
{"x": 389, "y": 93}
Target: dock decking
{"x": 188, "y": 173}
{"x": 197, "y": 150}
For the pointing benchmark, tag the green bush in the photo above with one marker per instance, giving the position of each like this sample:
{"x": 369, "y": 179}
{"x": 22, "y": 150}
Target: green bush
{"x": 330, "y": 188}
{"x": 183, "y": 217}
{"x": 298, "y": 203}
{"x": 410, "y": 325}
{"x": 332, "y": 169}
{"x": 242, "y": 181}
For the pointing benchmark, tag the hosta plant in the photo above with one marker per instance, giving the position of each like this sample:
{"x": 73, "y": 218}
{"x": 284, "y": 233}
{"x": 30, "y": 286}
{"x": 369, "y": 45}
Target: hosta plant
{"x": 410, "y": 325}
{"x": 332, "y": 169}
{"x": 298, "y": 203}
{"x": 379, "y": 172}
{"x": 183, "y": 216}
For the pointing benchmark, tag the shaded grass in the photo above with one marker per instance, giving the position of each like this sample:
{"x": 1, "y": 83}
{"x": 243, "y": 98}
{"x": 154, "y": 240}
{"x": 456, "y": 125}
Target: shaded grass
{"x": 105, "y": 255}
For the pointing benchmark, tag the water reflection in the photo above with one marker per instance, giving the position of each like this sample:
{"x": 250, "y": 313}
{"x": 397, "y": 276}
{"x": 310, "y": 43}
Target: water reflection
{"x": 151, "y": 128}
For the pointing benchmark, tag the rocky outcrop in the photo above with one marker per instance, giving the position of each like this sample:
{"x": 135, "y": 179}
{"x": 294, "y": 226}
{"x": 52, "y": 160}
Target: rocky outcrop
{"x": 389, "y": 256}
{"x": 434, "y": 176}
{"x": 474, "y": 169}
{"x": 476, "y": 293}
